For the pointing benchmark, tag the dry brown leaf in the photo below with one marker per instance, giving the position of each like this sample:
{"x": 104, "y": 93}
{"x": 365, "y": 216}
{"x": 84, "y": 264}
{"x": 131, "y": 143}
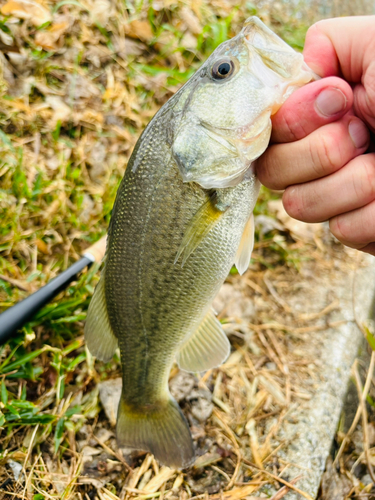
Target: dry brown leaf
{"x": 110, "y": 393}
{"x": 94, "y": 117}
{"x": 100, "y": 10}
{"x": 27, "y": 9}
{"x": 61, "y": 111}
{"x": 335, "y": 486}
{"x": 191, "y": 21}
{"x": 41, "y": 246}
{"x": 272, "y": 387}
{"x": 236, "y": 493}
{"x": 139, "y": 29}
{"x": 164, "y": 475}
{"x": 47, "y": 39}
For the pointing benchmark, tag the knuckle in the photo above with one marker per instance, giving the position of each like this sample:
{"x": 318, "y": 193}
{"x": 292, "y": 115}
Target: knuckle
{"x": 314, "y": 29}
{"x": 268, "y": 169}
{"x": 370, "y": 83}
{"x": 294, "y": 203}
{"x": 293, "y": 127}
{"x": 340, "y": 229}
{"x": 326, "y": 155}
{"x": 263, "y": 170}
{"x": 364, "y": 184}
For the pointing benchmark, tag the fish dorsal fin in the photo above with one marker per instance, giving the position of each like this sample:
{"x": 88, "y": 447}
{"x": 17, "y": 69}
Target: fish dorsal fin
{"x": 207, "y": 348}
{"x": 99, "y": 335}
{"x": 243, "y": 255}
{"x": 201, "y": 224}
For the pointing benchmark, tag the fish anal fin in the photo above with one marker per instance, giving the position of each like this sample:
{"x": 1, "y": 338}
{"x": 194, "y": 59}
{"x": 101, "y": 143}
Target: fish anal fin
{"x": 243, "y": 255}
{"x": 160, "y": 429}
{"x": 99, "y": 335}
{"x": 207, "y": 348}
{"x": 201, "y": 224}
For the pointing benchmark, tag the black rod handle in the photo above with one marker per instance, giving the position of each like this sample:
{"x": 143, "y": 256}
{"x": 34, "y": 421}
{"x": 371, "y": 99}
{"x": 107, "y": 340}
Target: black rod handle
{"x": 16, "y": 316}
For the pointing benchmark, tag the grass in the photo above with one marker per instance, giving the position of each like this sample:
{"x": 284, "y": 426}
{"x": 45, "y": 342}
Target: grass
{"x": 71, "y": 109}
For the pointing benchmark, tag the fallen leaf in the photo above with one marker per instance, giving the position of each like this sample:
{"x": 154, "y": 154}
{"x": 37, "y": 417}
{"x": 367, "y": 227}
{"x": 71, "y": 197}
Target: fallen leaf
{"x": 139, "y": 29}
{"x": 191, "y": 20}
{"x": 62, "y": 111}
{"x": 27, "y": 9}
{"x": 335, "y": 486}
{"x": 47, "y": 39}
{"x": 181, "y": 385}
{"x": 162, "y": 477}
{"x": 100, "y": 11}
{"x": 42, "y": 247}
{"x": 109, "y": 394}
{"x": 236, "y": 493}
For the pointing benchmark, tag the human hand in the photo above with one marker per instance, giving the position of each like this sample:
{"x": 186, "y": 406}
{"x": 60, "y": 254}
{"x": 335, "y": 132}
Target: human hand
{"x": 322, "y": 131}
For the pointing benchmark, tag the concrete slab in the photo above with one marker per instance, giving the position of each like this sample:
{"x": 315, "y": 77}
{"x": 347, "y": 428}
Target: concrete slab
{"x": 311, "y": 427}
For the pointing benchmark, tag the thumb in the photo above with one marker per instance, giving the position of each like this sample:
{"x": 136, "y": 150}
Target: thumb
{"x": 346, "y": 47}
{"x": 341, "y": 47}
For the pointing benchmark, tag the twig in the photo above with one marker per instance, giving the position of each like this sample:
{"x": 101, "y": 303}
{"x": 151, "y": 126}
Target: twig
{"x": 296, "y": 331}
{"x": 279, "y": 479}
{"x": 235, "y": 473}
{"x": 226, "y": 427}
{"x": 270, "y": 351}
{"x": 276, "y": 296}
{"x": 113, "y": 453}
{"x": 331, "y": 307}
{"x": 17, "y": 495}
{"x": 359, "y": 410}
{"x": 284, "y": 490}
{"x": 15, "y": 283}
{"x": 362, "y": 401}
{"x": 29, "y": 451}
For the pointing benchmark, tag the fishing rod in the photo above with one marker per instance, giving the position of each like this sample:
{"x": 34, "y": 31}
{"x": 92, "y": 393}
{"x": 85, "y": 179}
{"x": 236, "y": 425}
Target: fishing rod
{"x": 16, "y": 316}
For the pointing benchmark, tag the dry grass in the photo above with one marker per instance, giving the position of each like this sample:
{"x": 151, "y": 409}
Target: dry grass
{"x": 80, "y": 80}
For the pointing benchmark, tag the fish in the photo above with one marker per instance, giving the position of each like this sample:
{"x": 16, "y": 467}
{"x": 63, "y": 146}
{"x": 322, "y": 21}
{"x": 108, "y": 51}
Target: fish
{"x": 183, "y": 215}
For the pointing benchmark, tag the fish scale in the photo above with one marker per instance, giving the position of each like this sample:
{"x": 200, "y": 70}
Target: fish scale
{"x": 156, "y": 291}
{"x": 181, "y": 219}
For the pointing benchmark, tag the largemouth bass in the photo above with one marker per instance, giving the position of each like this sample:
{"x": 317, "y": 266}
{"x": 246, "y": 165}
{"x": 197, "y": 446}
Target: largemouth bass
{"x": 181, "y": 219}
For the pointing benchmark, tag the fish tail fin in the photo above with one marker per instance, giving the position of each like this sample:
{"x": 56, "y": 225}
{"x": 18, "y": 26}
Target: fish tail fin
{"x": 160, "y": 429}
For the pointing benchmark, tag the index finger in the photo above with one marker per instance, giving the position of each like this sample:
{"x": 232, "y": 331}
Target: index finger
{"x": 311, "y": 107}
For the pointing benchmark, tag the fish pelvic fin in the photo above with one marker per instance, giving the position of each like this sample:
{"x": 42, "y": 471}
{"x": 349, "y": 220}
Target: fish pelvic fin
{"x": 201, "y": 224}
{"x": 160, "y": 429}
{"x": 99, "y": 335}
{"x": 207, "y": 348}
{"x": 243, "y": 255}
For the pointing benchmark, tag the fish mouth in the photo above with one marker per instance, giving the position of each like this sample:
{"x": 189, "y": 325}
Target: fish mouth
{"x": 273, "y": 61}
{"x": 249, "y": 132}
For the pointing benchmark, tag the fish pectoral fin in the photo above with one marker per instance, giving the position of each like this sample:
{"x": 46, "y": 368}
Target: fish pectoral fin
{"x": 207, "y": 348}
{"x": 160, "y": 428}
{"x": 201, "y": 224}
{"x": 243, "y": 255}
{"x": 99, "y": 335}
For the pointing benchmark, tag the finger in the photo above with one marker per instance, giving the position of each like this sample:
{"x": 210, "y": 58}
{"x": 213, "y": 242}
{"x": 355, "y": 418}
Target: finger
{"x": 342, "y": 46}
{"x": 348, "y": 189}
{"x": 364, "y": 97}
{"x": 356, "y": 229}
{"x": 311, "y": 107}
{"x": 370, "y": 248}
{"x": 319, "y": 154}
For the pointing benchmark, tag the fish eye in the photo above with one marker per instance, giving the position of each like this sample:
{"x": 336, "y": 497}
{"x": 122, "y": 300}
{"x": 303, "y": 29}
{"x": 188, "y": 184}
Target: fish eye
{"x": 222, "y": 69}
